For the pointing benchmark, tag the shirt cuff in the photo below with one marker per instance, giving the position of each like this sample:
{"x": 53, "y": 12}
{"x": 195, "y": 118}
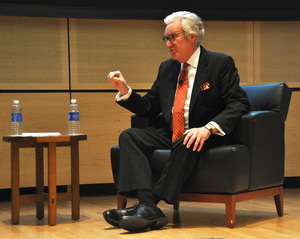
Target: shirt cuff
{"x": 220, "y": 131}
{"x": 120, "y": 97}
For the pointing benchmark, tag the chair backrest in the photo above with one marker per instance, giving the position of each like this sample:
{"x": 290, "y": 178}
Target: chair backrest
{"x": 274, "y": 97}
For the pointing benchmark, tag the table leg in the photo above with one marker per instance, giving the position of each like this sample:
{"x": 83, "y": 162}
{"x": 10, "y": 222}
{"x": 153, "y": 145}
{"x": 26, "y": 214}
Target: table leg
{"x": 15, "y": 183}
{"x": 75, "y": 179}
{"x": 52, "y": 195}
{"x": 39, "y": 157}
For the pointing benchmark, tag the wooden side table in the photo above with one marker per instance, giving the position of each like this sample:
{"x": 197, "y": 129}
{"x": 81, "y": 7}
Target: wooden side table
{"x": 50, "y": 142}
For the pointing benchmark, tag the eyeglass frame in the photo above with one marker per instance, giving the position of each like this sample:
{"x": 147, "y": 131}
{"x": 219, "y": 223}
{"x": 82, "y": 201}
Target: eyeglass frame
{"x": 171, "y": 37}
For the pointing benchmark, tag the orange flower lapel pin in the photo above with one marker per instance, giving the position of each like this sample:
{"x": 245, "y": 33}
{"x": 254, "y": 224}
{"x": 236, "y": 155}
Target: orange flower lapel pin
{"x": 205, "y": 86}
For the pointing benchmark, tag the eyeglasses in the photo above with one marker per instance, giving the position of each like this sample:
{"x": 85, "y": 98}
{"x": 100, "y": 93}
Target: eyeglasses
{"x": 171, "y": 37}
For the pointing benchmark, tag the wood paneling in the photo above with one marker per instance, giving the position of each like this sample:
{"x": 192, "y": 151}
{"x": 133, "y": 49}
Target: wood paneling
{"x": 234, "y": 39}
{"x": 34, "y": 56}
{"x": 136, "y": 49}
{"x": 292, "y": 138}
{"x": 100, "y": 46}
{"x": 102, "y": 120}
{"x": 34, "y": 53}
{"x": 277, "y": 53}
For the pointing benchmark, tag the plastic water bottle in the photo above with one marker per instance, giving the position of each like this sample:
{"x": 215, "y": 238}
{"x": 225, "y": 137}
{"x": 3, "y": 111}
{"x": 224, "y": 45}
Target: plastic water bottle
{"x": 74, "y": 126}
{"x": 16, "y": 119}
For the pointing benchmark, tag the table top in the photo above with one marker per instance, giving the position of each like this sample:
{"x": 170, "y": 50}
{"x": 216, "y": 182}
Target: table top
{"x": 43, "y": 139}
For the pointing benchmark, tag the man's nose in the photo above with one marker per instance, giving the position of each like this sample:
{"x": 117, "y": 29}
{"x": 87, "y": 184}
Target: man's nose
{"x": 169, "y": 43}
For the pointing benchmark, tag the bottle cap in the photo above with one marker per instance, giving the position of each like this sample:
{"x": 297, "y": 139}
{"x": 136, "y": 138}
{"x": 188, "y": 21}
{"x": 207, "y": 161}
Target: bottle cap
{"x": 73, "y": 101}
{"x": 16, "y": 101}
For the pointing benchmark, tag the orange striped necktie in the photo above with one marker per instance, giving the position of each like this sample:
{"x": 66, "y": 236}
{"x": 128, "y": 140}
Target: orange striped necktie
{"x": 178, "y": 107}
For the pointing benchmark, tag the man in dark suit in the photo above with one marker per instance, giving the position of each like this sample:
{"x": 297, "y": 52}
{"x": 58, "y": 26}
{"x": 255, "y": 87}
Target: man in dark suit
{"x": 213, "y": 103}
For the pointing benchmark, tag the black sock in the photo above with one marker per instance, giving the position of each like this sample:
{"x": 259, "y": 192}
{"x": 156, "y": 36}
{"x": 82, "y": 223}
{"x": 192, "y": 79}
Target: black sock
{"x": 156, "y": 198}
{"x": 146, "y": 197}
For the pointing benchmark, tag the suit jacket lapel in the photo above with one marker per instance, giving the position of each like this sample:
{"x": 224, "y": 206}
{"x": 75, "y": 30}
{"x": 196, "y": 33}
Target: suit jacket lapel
{"x": 173, "y": 78}
{"x": 199, "y": 79}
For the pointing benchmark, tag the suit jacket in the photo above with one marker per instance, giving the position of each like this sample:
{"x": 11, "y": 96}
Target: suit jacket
{"x": 224, "y": 101}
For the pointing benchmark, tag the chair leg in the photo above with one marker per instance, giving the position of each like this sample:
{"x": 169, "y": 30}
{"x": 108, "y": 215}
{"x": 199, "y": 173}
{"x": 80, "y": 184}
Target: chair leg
{"x": 279, "y": 202}
{"x": 121, "y": 201}
{"x": 176, "y": 205}
{"x": 230, "y": 204}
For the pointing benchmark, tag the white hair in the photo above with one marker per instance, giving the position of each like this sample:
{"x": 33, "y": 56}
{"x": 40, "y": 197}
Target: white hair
{"x": 190, "y": 23}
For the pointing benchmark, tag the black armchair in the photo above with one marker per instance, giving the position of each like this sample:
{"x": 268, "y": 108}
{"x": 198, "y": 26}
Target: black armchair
{"x": 251, "y": 168}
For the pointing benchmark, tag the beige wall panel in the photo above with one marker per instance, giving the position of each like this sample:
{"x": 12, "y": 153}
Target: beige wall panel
{"x": 292, "y": 138}
{"x": 34, "y": 53}
{"x": 42, "y": 112}
{"x": 234, "y": 39}
{"x": 134, "y": 47}
{"x": 276, "y": 56}
{"x": 102, "y": 120}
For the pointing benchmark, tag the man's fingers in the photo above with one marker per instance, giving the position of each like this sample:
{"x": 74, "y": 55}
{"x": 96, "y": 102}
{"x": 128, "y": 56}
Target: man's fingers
{"x": 114, "y": 74}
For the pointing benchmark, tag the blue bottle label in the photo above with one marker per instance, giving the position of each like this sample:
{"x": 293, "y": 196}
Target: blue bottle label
{"x": 16, "y": 117}
{"x": 73, "y": 116}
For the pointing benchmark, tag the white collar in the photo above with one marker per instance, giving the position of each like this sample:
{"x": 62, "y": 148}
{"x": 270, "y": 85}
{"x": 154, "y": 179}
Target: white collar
{"x": 194, "y": 59}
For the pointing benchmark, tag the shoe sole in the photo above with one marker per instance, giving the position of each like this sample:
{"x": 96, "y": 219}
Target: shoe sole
{"x": 140, "y": 224}
{"x": 110, "y": 222}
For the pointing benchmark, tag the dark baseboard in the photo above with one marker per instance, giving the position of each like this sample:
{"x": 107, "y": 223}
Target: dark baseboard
{"x": 97, "y": 189}
{"x": 291, "y": 182}
{"x": 110, "y": 189}
{"x": 85, "y": 190}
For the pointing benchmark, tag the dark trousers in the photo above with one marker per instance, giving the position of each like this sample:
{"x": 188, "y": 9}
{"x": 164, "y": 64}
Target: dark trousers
{"x": 136, "y": 147}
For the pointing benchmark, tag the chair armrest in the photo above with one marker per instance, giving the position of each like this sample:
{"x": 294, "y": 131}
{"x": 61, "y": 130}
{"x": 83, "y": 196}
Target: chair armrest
{"x": 263, "y": 133}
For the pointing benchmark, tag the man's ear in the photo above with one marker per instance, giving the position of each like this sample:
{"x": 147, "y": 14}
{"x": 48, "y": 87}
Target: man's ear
{"x": 193, "y": 37}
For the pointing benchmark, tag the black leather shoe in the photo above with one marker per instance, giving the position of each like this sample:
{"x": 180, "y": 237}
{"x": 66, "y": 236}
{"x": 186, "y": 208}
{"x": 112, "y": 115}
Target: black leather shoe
{"x": 145, "y": 217}
{"x": 113, "y": 216}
